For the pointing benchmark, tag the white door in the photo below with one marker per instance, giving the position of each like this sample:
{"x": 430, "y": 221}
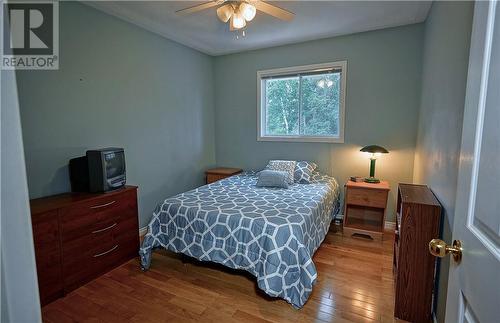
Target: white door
{"x": 474, "y": 282}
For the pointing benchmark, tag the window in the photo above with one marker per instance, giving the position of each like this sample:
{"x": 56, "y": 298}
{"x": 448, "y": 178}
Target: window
{"x": 304, "y": 103}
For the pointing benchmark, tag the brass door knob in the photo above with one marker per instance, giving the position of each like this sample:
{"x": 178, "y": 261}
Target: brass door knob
{"x": 439, "y": 248}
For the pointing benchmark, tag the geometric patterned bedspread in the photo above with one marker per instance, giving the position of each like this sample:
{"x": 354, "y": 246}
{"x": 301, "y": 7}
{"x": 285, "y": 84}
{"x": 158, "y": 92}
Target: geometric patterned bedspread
{"x": 270, "y": 232}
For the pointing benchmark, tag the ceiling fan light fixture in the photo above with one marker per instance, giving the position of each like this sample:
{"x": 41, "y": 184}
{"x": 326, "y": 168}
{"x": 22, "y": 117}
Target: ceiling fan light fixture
{"x": 238, "y": 12}
{"x": 247, "y": 10}
{"x": 225, "y": 12}
{"x": 238, "y": 21}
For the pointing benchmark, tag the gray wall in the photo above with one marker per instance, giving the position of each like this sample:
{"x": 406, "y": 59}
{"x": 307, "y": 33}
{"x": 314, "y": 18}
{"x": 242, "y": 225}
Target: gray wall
{"x": 445, "y": 62}
{"x": 383, "y": 92}
{"x": 119, "y": 85}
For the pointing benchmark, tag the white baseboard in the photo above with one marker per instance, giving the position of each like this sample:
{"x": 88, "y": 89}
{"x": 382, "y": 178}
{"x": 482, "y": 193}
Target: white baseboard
{"x": 391, "y": 226}
{"x": 143, "y": 231}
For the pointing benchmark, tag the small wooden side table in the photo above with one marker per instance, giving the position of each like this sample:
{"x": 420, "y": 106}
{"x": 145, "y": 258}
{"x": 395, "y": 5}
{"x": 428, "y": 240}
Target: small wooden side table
{"x": 216, "y": 174}
{"x": 364, "y": 208}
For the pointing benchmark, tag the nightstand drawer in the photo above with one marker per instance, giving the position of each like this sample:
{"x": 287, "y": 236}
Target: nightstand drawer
{"x": 216, "y": 174}
{"x": 367, "y": 197}
{"x": 214, "y": 178}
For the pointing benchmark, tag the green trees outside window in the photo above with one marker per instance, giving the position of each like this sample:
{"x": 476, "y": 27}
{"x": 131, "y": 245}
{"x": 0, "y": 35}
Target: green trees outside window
{"x": 303, "y": 105}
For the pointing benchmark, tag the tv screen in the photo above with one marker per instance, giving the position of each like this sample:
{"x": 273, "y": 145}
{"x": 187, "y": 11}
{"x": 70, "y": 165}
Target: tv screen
{"x": 114, "y": 163}
{"x": 106, "y": 169}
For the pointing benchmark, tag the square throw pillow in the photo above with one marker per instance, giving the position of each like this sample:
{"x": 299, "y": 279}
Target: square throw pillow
{"x": 272, "y": 178}
{"x": 287, "y": 166}
{"x": 303, "y": 172}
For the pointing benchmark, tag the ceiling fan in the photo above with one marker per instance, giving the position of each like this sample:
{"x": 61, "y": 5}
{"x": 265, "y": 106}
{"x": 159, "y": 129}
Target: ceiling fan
{"x": 238, "y": 13}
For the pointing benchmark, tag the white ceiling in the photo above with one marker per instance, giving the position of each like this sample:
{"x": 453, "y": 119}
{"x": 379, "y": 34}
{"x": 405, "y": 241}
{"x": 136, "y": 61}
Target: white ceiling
{"x": 313, "y": 20}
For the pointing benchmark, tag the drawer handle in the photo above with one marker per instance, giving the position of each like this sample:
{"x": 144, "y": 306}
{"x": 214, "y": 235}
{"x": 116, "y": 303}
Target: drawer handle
{"x": 106, "y": 228}
{"x": 106, "y": 252}
{"x": 102, "y": 205}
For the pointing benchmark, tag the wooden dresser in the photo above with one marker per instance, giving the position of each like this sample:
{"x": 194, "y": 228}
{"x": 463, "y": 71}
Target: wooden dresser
{"x": 417, "y": 222}
{"x": 80, "y": 236}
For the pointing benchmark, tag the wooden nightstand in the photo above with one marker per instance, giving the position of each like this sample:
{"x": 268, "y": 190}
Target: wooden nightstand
{"x": 216, "y": 174}
{"x": 364, "y": 208}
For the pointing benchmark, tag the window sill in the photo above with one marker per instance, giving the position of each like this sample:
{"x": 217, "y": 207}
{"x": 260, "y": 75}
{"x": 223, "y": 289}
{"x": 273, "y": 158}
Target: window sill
{"x": 331, "y": 140}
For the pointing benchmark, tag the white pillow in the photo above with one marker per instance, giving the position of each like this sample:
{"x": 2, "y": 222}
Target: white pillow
{"x": 287, "y": 166}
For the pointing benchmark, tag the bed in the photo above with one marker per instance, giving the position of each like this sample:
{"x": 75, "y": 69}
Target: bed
{"x": 270, "y": 232}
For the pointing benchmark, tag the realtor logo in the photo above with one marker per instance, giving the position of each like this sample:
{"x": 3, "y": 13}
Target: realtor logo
{"x": 30, "y": 35}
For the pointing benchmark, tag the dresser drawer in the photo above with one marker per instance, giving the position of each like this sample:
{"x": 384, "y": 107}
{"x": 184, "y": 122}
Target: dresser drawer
{"x": 97, "y": 261}
{"x": 98, "y": 236}
{"x": 118, "y": 227}
{"x": 367, "y": 197}
{"x": 97, "y": 216}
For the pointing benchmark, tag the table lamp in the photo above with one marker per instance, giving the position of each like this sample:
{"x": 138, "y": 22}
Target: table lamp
{"x": 375, "y": 152}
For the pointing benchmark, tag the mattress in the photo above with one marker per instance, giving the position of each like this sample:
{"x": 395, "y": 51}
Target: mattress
{"x": 270, "y": 232}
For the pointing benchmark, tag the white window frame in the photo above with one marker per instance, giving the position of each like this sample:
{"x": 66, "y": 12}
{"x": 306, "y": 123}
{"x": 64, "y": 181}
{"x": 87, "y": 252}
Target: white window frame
{"x": 261, "y": 117}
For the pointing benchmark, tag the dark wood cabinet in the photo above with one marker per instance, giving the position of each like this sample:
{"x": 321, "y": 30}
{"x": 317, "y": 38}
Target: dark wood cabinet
{"x": 80, "y": 236}
{"x": 417, "y": 222}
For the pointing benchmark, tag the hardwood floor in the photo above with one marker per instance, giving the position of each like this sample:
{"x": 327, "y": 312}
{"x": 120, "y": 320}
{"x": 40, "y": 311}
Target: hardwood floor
{"x": 355, "y": 284}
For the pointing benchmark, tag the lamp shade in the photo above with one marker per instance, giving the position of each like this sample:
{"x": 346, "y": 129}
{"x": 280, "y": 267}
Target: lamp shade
{"x": 225, "y": 12}
{"x": 237, "y": 21}
{"x": 374, "y": 149}
{"x": 247, "y": 10}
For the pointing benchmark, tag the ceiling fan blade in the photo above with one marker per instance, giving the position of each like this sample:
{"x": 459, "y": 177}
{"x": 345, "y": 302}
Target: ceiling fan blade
{"x": 198, "y": 7}
{"x": 273, "y": 10}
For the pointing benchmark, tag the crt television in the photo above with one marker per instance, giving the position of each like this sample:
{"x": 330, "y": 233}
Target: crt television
{"x": 100, "y": 170}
